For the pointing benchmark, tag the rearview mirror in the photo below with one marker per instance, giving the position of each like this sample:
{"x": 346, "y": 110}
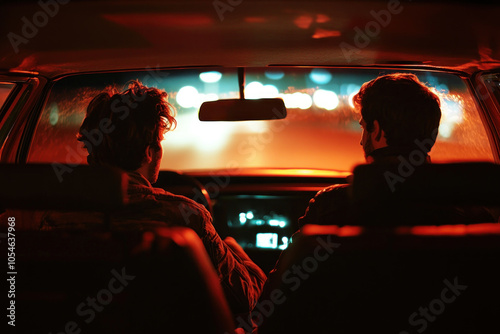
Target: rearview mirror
{"x": 242, "y": 110}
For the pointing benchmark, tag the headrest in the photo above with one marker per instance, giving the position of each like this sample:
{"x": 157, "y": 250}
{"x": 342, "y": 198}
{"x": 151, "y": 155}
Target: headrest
{"x": 475, "y": 183}
{"x": 47, "y": 186}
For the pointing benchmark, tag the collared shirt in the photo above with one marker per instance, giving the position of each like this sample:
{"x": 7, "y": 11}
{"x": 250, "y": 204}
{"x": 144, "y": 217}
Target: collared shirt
{"x": 150, "y": 207}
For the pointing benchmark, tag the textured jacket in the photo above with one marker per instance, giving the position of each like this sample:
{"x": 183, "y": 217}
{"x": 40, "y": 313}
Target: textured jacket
{"x": 150, "y": 207}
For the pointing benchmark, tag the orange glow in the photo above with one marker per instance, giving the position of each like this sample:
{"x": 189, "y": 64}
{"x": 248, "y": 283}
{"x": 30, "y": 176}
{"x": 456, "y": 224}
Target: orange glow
{"x": 323, "y": 33}
{"x": 314, "y": 138}
{"x": 344, "y": 231}
{"x": 303, "y": 22}
{"x": 4, "y": 92}
{"x": 299, "y": 172}
{"x": 444, "y": 230}
{"x": 279, "y": 172}
{"x": 450, "y": 230}
{"x": 146, "y": 242}
{"x": 349, "y": 231}
{"x": 322, "y": 18}
{"x": 182, "y": 236}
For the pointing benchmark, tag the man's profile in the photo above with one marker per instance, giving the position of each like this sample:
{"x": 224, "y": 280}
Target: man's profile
{"x": 398, "y": 113}
{"x": 400, "y": 119}
{"x": 131, "y": 125}
{"x": 136, "y": 120}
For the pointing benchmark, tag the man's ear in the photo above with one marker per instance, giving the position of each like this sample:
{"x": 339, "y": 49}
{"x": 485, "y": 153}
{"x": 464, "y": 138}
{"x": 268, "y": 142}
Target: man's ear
{"x": 149, "y": 154}
{"x": 377, "y": 130}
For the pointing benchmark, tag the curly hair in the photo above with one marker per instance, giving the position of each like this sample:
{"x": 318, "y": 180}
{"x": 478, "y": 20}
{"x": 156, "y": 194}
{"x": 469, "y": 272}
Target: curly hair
{"x": 406, "y": 109}
{"x": 119, "y": 127}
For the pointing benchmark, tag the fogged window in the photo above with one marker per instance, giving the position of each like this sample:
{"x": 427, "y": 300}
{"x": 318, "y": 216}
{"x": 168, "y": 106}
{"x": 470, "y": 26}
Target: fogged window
{"x": 6, "y": 121}
{"x": 320, "y": 131}
{"x": 5, "y": 89}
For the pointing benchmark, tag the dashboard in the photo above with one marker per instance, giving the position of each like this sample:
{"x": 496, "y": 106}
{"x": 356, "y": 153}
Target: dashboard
{"x": 260, "y": 209}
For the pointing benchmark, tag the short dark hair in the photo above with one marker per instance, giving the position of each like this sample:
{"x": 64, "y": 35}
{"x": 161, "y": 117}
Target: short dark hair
{"x": 406, "y": 109}
{"x": 119, "y": 127}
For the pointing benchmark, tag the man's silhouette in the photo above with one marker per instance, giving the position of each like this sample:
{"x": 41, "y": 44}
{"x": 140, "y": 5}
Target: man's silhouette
{"x": 130, "y": 126}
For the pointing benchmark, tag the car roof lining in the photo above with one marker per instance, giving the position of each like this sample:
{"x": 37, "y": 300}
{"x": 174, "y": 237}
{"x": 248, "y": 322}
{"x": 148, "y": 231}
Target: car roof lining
{"x": 112, "y": 36}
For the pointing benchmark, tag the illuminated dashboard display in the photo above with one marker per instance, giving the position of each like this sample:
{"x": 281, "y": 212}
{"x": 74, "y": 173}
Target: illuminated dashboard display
{"x": 261, "y": 221}
{"x": 270, "y": 240}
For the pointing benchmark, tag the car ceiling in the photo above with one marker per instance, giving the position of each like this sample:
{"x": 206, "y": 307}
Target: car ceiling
{"x": 114, "y": 35}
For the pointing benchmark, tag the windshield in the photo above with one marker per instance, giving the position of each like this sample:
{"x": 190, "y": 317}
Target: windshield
{"x": 321, "y": 130}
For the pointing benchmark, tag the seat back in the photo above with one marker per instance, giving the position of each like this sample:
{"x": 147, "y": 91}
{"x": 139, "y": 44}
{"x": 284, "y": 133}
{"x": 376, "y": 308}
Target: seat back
{"x": 353, "y": 280}
{"x": 61, "y": 187}
{"x": 405, "y": 262}
{"x": 472, "y": 183}
{"x": 430, "y": 194}
{"x": 120, "y": 282}
{"x": 128, "y": 281}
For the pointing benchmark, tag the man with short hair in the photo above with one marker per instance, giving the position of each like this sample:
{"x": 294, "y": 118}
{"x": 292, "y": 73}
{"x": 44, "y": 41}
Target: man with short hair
{"x": 399, "y": 116}
{"x": 131, "y": 125}
{"x": 397, "y": 112}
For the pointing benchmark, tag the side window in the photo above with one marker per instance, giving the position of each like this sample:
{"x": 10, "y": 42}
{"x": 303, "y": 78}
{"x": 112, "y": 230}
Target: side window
{"x": 5, "y": 89}
{"x": 54, "y": 139}
{"x": 6, "y": 122}
{"x": 492, "y": 82}
{"x": 462, "y": 133}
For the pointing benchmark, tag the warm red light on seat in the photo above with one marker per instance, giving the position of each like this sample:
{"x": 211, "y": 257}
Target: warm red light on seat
{"x": 450, "y": 230}
{"x": 341, "y": 231}
{"x": 443, "y": 230}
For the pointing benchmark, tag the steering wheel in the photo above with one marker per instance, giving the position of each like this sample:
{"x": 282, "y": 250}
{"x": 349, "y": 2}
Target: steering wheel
{"x": 181, "y": 184}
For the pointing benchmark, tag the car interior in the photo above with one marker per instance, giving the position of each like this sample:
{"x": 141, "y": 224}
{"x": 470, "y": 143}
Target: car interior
{"x": 263, "y": 92}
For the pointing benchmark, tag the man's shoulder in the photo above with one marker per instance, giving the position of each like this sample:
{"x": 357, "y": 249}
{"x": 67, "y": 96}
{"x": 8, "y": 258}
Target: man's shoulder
{"x": 336, "y": 191}
{"x": 324, "y": 208}
{"x": 182, "y": 210}
{"x": 331, "y": 198}
{"x": 179, "y": 200}
{"x": 141, "y": 194}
